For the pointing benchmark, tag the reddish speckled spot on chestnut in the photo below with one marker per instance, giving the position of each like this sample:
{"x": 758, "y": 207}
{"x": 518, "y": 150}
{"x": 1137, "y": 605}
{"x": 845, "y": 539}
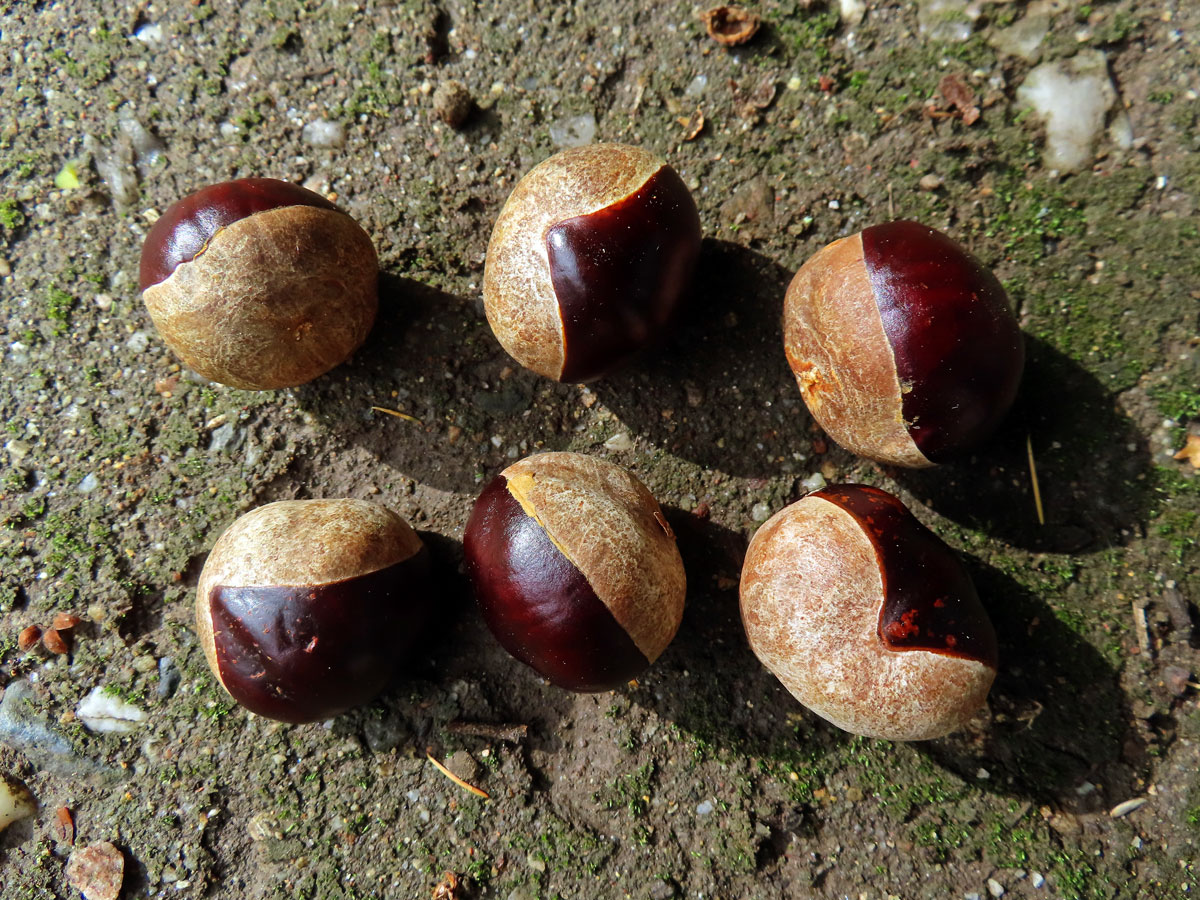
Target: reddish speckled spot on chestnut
{"x": 306, "y": 653}
{"x": 538, "y": 604}
{"x": 957, "y": 345}
{"x": 929, "y": 600}
{"x": 620, "y": 272}
{"x": 189, "y": 224}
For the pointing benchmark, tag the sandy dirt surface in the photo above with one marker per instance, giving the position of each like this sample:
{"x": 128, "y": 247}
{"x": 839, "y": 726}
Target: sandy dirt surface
{"x": 704, "y": 779}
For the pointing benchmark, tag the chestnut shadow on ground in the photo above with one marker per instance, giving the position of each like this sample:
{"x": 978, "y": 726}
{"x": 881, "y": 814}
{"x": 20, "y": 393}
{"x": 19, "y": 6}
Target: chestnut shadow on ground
{"x": 1092, "y": 466}
{"x": 455, "y": 670}
{"x": 708, "y": 681}
{"x": 432, "y": 356}
{"x": 719, "y": 393}
{"x": 1058, "y": 717}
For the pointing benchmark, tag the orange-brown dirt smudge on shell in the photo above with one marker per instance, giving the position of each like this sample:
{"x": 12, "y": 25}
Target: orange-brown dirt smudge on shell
{"x": 811, "y": 599}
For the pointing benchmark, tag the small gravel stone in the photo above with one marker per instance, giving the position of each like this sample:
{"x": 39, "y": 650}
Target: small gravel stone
{"x": 101, "y": 712}
{"x": 463, "y": 764}
{"x": 704, "y": 808}
{"x": 663, "y": 890}
{"x": 90, "y": 483}
{"x": 995, "y": 888}
{"x": 619, "y": 442}
{"x": 1037, "y": 879}
{"x": 452, "y": 103}
{"x": 574, "y": 131}
{"x": 168, "y": 677}
{"x": 814, "y": 482}
{"x": 97, "y": 871}
{"x": 324, "y": 133}
{"x": 16, "y": 802}
{"x": 761, "y": 512}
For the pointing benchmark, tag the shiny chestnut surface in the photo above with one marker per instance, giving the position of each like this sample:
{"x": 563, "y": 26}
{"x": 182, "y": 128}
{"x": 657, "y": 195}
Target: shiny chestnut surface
{"x": 575, "y": 571}
{"x": 259, "y": 284}
{"x": 903, "y": 344}
{"x": 304, "y": 608}
{"x": 538, "y": 604}
{"x": 590, "y": 260}
{"x": 866, "y": 616}
{"x": 188, "y": 225}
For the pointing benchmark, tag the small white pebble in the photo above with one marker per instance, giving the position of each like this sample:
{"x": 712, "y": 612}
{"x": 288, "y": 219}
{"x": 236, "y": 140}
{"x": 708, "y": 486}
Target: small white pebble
{"x": 324, "y": 133}
{"x": 16, "y": 802}
{"x": 814, "y": 482}
{"x": 995, "y": 888}
{"x": 138, "y": 341}
{"x": 575, "y": 131}
{"x": 102, "y": 712}
{"x": 983, "y": 774}
{"x": 761, "y": 512}
{"x": 619, "y": 442}
{"x": 704, "y": 808}
{"x": 1037, "y": 879}
{"x": 150, "y": 34}
{"x": 90, "y": 483}
{"x": 1124, "y": 809}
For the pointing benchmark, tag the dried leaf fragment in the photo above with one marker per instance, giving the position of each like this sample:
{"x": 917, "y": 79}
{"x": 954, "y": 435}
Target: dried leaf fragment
{"x": 1190, "y": 451}
{"x": 693, "y": 125}
{"x": 65, "y": 621}
{"x": 28, "y": 638}
{"x": 56, "y": 642}
{"x": 448, "y": 887}
{"x": 959, "y": 97}
{"x": 64, "y": 826}
{"x": 97, "y": 871}
{"x": 730, "y": 26}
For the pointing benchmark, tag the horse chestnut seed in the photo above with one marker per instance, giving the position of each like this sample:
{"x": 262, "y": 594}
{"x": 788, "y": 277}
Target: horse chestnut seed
{"x": 866, "y": 616}
{"x": 589, "y": 260}
{"x": 575, "y": 569}
{"x": 904, "y": 345}
{"x": 304, "y": 607}
{"x": 259, "y": 284}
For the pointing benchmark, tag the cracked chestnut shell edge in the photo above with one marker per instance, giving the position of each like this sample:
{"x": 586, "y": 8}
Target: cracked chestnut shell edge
{"x": 304, "y": 607}
{"x": 259, "y": 284}
{"x": 575, "y": 569}
{"x": 904, "y": 346}
{"x": 589, "y": 260}
{"x": 866, "y": 616}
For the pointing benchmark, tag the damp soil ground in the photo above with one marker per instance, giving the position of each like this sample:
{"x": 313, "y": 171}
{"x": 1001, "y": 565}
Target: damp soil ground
{"x": 704, "y": 779}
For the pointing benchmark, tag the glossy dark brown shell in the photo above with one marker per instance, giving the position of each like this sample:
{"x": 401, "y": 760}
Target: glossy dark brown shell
{"x": 307, "y": 653}
{"x": 902, "y": 344}
{"x": 189, "y": 224}
{"x": 929, "y": 600}
{"x": 620, "y": 273}
{"x": 866, "y": 617}
{"x": 535, "y": 601}
{"x": 305, "y": 607}
{"x": 589, "y": 260}
{"x": 958, "y": 349}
